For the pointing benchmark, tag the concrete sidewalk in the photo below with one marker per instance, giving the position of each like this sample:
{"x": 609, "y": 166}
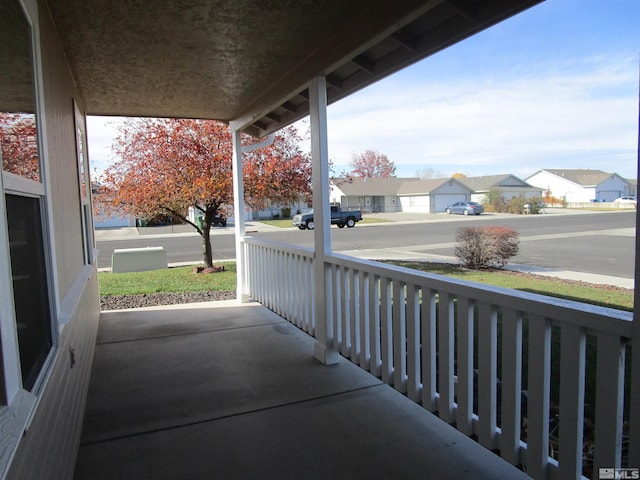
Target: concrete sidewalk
{"x": 232, "y": 391}
{"x": 163, "y": 231}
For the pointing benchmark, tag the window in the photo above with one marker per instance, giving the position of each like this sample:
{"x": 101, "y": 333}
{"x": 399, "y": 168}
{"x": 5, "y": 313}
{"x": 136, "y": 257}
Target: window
{"x": 30, "y": 292}
{"x": 84, "y": 188}
{"x": 19, "y": 144}
{"x": 22, "y": 207}
{"x": 17, "y": 102}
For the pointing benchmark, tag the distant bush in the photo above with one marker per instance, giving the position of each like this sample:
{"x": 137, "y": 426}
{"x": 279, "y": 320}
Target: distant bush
{"x": 485, "y": 247}
{"x": 550, "y": 200}
{"x": 516, "y": 204}
{"x": 495, "y": 201}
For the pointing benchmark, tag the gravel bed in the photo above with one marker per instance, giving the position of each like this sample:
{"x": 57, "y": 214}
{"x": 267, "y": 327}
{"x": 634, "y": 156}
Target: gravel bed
{"x": 117, "y": 302}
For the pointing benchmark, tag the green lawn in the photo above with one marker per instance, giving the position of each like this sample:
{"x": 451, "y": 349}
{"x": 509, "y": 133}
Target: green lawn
{"x": 604, "y": 295}
{"x": 280, "y": 223}
{"x": 183, "y": 279}
{"x": 177, "y": 279}
{"x": 367, "y": 219}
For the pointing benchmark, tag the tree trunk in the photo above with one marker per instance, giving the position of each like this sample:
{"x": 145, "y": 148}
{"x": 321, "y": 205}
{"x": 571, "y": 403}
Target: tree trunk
{"x": 207, "y": 251}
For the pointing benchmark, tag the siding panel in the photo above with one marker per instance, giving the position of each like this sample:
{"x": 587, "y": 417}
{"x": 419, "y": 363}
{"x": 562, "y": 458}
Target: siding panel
{"x": 60, "y": 155}
{"x": 49, "y": 447}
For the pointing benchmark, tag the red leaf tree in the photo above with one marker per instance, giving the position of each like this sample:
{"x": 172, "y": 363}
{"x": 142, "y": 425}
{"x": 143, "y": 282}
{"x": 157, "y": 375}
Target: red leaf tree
{"x": 19, "y": 145}
{"x": 165, "y": 166}
{"x": 371, "y": 164}
{"x": 279, "y": 174}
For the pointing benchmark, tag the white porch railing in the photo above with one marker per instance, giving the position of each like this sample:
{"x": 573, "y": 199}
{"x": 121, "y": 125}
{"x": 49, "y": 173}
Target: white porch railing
{"x": 510, "y": 368}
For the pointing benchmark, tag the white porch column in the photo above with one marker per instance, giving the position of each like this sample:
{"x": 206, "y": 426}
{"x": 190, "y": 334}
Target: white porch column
{"x": 325, "y": 350}
{"x": 238, "y": 215}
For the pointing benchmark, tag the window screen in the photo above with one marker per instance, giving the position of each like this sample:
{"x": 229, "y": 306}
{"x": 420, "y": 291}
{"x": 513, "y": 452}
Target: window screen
{"x": 30, "y": 292}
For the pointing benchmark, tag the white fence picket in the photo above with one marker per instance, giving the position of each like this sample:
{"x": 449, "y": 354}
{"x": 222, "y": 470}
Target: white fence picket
{"x": 429, "y": 351}
{"x": 413, "y": 343}
{"x": 487, "y": 374}
{"x": 445, "y": 356}
{"x": 609, "y": 402}
{"x": 399, "y": 338}
{"x": 538, "y": 397}
{"x": 511, "y": 405}
{"x": 464, "y": 362}
{"x": 571, "y": 412}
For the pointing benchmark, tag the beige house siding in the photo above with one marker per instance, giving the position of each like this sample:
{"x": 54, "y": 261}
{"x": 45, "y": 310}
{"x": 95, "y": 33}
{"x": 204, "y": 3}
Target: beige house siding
{"x": 62, "y": 170}
{"x": 53, "y": 438}
{"x": 48, "y": 446}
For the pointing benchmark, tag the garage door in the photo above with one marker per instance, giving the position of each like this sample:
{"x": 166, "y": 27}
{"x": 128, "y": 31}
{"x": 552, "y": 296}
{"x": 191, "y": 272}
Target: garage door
{"x": 442, "y": 201}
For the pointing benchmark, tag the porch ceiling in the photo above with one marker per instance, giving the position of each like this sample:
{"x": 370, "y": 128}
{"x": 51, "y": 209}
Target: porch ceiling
{"x": 250, "y": 61}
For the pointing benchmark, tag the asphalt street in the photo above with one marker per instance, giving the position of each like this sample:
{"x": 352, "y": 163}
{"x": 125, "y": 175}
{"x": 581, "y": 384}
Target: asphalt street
{"x": 569, "y": 243}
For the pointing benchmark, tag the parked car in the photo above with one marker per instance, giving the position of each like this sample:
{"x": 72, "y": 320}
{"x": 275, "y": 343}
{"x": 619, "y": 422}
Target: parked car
{"x": 219, "y": 219}
{"x": 629, "y": 199}
{"x": 465, "y": 208}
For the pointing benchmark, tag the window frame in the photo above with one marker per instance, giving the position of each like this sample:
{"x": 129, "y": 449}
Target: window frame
{"x": 12, "y": 392}
{"x": 84, "y": 186}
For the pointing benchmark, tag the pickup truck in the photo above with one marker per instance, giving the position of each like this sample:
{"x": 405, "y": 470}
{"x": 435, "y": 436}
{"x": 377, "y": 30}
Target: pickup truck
{"x": 339, "y": 217}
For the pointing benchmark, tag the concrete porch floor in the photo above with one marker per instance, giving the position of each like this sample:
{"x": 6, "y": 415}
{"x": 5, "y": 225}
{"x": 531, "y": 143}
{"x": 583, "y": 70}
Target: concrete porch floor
{"x": 231, "y": 391}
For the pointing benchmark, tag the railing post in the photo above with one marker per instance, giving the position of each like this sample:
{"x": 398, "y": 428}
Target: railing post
{"x": 325, "y": 350}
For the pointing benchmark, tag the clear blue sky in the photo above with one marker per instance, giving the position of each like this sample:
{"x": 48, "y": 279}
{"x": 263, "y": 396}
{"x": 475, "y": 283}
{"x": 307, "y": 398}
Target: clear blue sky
{"x": 554, "y": 87}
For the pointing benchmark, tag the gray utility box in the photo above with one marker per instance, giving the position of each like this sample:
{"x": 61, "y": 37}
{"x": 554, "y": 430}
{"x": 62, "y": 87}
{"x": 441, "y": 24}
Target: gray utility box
{"x": 138, "y": 259}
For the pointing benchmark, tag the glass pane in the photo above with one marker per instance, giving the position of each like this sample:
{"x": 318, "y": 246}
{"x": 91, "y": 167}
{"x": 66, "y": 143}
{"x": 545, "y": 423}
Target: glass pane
{"x": 17, "y": 105}
{"x": 30, "y": 292}
{"x": 81, "y": 164}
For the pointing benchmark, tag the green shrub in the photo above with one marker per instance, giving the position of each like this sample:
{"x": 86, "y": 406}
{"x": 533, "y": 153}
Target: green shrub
{"x": 495, "y": 201}
{"x": 516, "y": 204}
{"x": 485, "y": 247}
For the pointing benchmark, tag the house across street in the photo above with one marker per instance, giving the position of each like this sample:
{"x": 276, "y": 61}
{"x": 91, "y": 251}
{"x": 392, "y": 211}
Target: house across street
{"x": 414, "y": 195}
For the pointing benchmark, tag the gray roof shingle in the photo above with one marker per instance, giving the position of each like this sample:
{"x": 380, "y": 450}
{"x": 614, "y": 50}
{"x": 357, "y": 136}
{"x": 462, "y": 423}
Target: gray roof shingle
{"x": 487, "y": 182}
{"x": 582, "y": 177}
